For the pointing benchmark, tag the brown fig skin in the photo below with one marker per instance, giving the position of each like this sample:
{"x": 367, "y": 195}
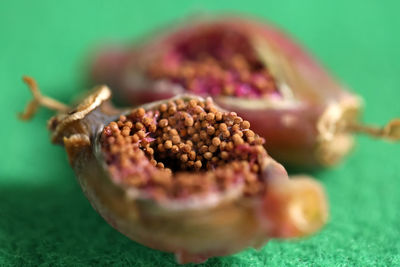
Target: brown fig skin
{"x": 310, "y": 125}
{"x": 195, "y": 229}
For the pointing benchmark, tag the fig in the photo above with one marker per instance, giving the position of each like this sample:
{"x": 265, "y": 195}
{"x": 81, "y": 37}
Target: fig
{"x": 252, "y": 68}
{"x": 181, "y": 175}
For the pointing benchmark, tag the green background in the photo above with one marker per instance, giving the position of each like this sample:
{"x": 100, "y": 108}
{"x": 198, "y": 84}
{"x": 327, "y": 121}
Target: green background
{"x": 44, "y": 217}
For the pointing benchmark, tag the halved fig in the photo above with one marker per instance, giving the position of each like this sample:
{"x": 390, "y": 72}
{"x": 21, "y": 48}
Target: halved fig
{"x": 306, "y": 116}
{"x": 181, "y": 175}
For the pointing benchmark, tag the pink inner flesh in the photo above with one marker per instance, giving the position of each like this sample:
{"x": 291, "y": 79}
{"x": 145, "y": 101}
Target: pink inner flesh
{"x": 215, "y": 60}
{"x": 182, "y": 151}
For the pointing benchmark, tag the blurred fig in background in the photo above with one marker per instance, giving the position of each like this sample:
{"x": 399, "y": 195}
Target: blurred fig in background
{"x": 181, "y": 175}
{"x": 306, "y": 116}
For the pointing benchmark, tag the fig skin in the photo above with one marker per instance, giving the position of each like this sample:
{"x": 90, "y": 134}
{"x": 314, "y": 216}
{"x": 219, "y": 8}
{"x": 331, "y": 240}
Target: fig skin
{"x": 193, "y": 229}
{"x": 307, "y": 128}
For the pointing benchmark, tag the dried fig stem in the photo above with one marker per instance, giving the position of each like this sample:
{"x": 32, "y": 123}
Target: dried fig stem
{"x": 39, "y": 100}
{"x": 391, "y": 131}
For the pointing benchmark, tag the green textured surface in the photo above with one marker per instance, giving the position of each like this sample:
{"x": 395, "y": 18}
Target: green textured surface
{"x": 44, "y": 217}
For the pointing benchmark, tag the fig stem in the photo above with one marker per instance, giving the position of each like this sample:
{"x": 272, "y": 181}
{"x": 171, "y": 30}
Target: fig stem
{"x": 391, "y": 131}
{"x": 39, "y": 100}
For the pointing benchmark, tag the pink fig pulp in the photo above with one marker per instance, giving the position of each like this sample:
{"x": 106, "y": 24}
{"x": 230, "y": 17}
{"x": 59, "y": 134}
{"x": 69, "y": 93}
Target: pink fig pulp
{"x": 253, "y": 69}
{"x": 198, "y": 199}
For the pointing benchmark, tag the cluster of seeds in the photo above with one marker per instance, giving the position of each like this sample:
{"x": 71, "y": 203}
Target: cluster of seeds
{"x": 216, "y": 61}
{"x": 183, "y": 147}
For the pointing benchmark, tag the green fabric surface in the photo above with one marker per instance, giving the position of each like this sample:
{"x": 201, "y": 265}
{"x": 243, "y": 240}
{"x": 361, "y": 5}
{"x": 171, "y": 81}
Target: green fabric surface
{"x": 46, "y": 220}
